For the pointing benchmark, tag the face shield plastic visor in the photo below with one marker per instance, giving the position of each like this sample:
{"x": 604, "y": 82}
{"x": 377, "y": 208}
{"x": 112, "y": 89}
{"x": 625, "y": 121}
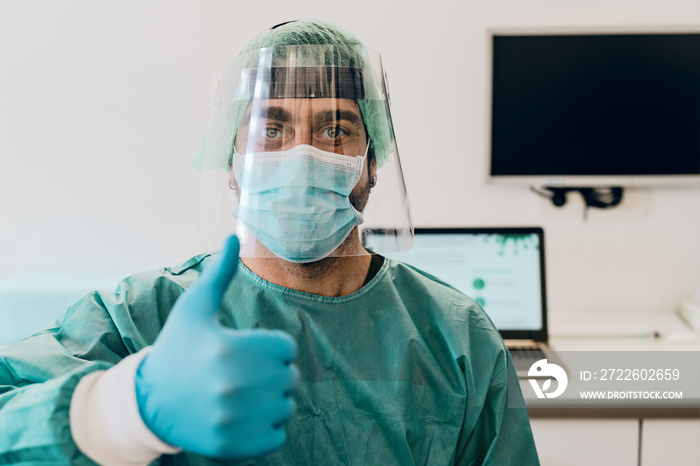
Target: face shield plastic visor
{"x": 299, "y": 159}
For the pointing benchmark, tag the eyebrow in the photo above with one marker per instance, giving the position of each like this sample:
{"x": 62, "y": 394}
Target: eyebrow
{"x": 274, "y": 113}
{"x": 280, "y": 114}
{"x": 335, "y": 115}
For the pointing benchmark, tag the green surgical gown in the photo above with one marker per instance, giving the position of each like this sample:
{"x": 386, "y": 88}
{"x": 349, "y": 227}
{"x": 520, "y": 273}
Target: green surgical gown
{"x": 406, "y": 370}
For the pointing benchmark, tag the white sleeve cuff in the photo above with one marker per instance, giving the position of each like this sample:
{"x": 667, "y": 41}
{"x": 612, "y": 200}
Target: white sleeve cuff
{"x": 105, "y": 421}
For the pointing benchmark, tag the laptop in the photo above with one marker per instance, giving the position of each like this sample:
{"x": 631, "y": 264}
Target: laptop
{"x": 501, "y": 268}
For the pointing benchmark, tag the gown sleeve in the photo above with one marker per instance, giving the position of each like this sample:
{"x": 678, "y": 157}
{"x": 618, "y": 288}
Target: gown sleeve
{"x": 39, "y": 374}
{"x": 495, "y": 427}
{"x": 501, "y": 434}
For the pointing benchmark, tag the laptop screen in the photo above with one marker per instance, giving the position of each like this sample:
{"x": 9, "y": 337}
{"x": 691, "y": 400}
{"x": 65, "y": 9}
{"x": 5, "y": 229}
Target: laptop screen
{"x": 501, "y": 268}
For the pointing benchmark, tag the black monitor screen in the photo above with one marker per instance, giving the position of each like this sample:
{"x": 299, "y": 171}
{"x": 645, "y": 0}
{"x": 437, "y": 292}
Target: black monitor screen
{"x": 596, "y": 105}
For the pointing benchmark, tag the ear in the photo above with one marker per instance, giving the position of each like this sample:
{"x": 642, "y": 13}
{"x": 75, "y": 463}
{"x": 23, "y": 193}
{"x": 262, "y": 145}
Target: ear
{"x": 372, "y": 170}
{"x": 232, "y": 183}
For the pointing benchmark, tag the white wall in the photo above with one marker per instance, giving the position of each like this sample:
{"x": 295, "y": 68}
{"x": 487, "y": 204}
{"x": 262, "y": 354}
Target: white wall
{"x": 103, "y": 102}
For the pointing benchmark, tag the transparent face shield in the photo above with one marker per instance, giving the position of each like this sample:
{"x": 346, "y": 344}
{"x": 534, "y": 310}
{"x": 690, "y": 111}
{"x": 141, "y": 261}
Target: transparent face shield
{"x": 299, "y": 159}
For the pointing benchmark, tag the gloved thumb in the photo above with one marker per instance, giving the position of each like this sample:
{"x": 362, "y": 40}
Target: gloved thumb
{"x": 207, "y": 293}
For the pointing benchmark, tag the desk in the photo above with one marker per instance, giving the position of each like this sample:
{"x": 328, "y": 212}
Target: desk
{"x": 619, "y": 436}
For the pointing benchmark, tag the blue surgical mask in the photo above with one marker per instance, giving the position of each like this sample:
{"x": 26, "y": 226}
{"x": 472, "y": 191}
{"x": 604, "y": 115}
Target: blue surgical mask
{"x": 297, "y": 202}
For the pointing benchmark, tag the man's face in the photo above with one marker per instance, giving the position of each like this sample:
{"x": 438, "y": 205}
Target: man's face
{"x": 331, "y": 125}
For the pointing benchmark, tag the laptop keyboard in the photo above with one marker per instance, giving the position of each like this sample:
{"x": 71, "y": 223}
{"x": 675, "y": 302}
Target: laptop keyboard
{"x": 526, "y": 352}
{"x": 524, "y": 357}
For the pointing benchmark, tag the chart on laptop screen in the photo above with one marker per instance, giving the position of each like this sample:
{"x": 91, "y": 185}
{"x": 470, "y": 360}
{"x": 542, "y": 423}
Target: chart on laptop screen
{"x": 500, "y": 271}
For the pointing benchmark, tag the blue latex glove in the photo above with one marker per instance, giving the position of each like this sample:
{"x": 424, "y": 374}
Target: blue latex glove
{"x": 212, "y": 390}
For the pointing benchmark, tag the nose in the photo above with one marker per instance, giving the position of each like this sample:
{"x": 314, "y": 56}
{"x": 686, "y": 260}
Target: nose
{"x": 302, "y": 135}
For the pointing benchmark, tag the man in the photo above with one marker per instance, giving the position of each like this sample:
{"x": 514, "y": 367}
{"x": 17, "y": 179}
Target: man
{"x": 394, "y": 367}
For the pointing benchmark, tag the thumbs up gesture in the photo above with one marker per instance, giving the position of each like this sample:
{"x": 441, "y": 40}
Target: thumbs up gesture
{"x": 212, "y": 390}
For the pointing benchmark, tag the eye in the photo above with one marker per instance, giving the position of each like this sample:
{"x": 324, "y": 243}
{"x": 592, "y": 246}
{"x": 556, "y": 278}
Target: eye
{"x": 272, "y": 133}
{"x": 334, "y": 132}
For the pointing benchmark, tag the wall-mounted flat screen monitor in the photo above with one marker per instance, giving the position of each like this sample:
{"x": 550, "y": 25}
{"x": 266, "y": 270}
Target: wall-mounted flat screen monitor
{"x": 595, "y": 108}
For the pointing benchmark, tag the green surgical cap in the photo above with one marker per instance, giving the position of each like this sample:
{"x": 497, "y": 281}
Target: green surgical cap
{"x": 348, "y": 52}
{"x": 308, "y": 32}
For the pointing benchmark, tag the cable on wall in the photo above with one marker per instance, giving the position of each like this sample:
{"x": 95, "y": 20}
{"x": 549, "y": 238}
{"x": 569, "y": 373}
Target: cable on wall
{"x": 599, "y": 198}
